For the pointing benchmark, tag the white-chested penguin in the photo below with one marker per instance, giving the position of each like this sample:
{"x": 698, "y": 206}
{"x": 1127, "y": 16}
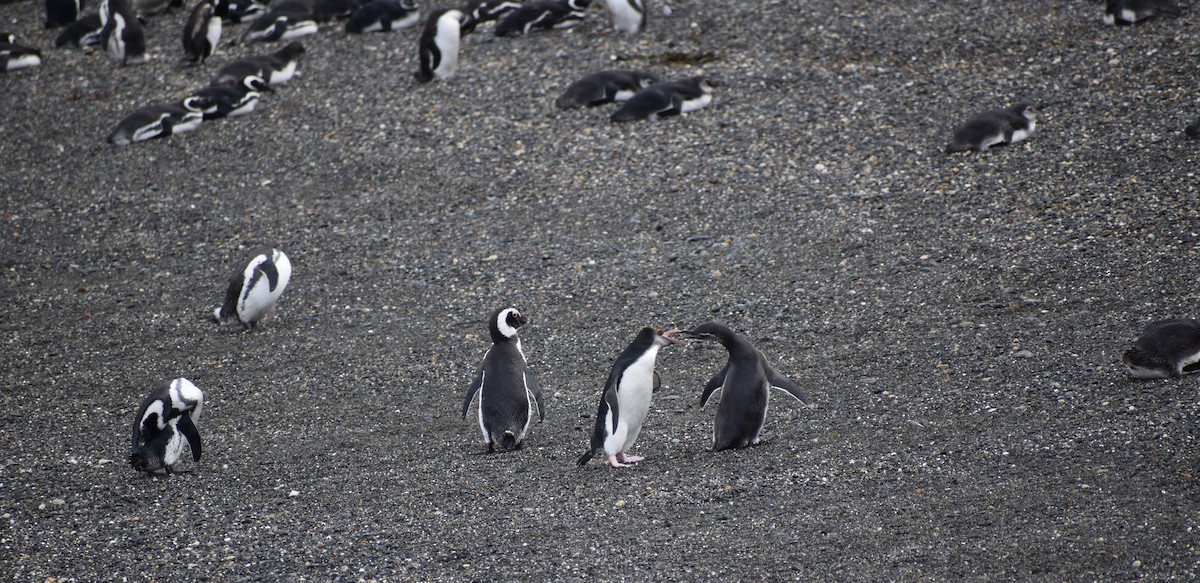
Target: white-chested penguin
{"x": 542, "y": 15}
{"x": 62, "y": 12}
{"x": 14, "y": 56}
{"x": 285, "y": 20}
{"x": 217, "y": 101}
{"x": 438, "y": 45}
{"x": 276, "y": 68}
{"x": 625, "y": 400}
{"x": 239, "y": 10}
{"x": 605, "y": 87}
{"x": 1165, "y": 349}
{"x": 480, "y": 11}
{"x": 745, "y": 384}
{"x": 994, "y": 127}
{"x": 383, "y": 16}
{"x": 1123, "y": 12}
{"x": 157, "y": 121}
{"x": 82, "y": 33}
{"x": 202, "y": 32}
{"x": 122, "y": 35}
{"x": 628, "y": 16}
{"x": 665, "y": 99}
{"x": 254, "y": 289}
{"x": 505, "y": 387}
{"x": 166, "y": 418}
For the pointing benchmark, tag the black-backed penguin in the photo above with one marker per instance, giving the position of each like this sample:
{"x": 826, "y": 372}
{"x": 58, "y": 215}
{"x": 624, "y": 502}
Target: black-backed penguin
{"x": 276, "y": 68}
{"x": 154, "y": 7}
{"x": 239, "y": 10}
{"x": 62, "y": 12}
{"x": 217, "y": 101}
{"x": 605, "y": 87}
{"x": 625, "y": 400}
{"x": 1192, "y": 131}
{"x": 14, "y": 56}
{"x": 254, "y": 289}
{"x": 287, "y": 20}
{"x": 745, "y": 384}
{"x": 384, "y": 16}
{"x": 329, "y": 10}
{"x": 542, "y": 15}
{"x": 438, "y": 45}
{"x": 507, "y": 392}
{"x": 1123, "y": 12}
{"x": 202, "y": 32}
{"x": 156, "y": 121}
{"x": 82, "y": 33}
{"x": 665, "y": 99}
{"x": 628, "y": 16}
{"x": 994, "y": 127}
{"x": 480, "y": 11}
{"x": 167, "y": 417}
{"x": 122, "y": 35}
{"x": 1165, "y": 349}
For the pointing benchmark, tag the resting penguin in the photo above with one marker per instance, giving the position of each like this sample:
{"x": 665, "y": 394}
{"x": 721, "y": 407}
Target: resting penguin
{"x": 62, "y": 12}
{"x": 480, "y": 11}
{"x": 994, "y": 127}
{"x": 122, "y": 35}
{"x": 201, "y": 33}
{"x": 286, "y": 20}
{"x": 745, "y": 384}
{"x": 438, "y": 45}
{"x": 1123, "y": 12}
{"x": 81, "y": 33}
{"x": 239, "y": 10}
{"x": 276, "y": 68}
{"x": 167, "y": 417}
{"x": 1166, "y": 349}
{"x": 14, "y": 56}
{"x": 253, "y": 290}
{"x": 504, "y": 386}
{"x": 542, "y": 14}
{"x": 604, "y": 87}
{"x": 383, "y": 16}
{"x": 663, "y": 99}
{"x": 628, "y": 16}
{"x": 625, "y": 400}
{"x": 217, "y": 101}
{"x": 157, "y": 121}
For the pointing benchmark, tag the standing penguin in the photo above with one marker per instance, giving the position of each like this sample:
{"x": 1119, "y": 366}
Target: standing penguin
{"x": 201, "y": 33}
{"x": 628, "y": 16}
{"x": 167, "y": 417}
{"x": 665, "y": 99}
{"x": 253, "y": 291}
{"x": 1165, "y": 349}
{"x": 438, "y": 46}
{"x": 1124, "y": 12}
{"x": 625, "y": 401}
{"x": 62, "y": 12}
{"x": 745, "y": 384}
{"x": 994, "y": 127}
{"x": 122, "y": 35}
{"x": 504, "y": 386}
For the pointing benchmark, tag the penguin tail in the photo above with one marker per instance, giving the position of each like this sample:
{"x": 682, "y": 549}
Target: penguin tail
{"x": 585, "y": 458}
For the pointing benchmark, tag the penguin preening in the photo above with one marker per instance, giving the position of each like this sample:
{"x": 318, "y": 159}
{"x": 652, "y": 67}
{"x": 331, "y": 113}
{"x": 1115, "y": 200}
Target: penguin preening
{"x": 83, "y": 32}
{"x": 276, "y": 68}
{"x": 507, "y": 392}
{"x": 254, "y": 289}
{"x": 1165, "y": 349}
{"x": 165, "y": 420}
{"x": 122, "y": 34}
{"x": 625, "y": 399}
{"x": 745, "y": 384}
{"x": 217, "y": 101}
{"x": 383, "y": 16}
{"x": 202, "y": 32}
{"x": 628, "y": 16}
{"x": 438, "y": 45}
{"x": 665, "y": 99}
{"x": 542, "y": 15}
{"x": 156, "y": 121}
{"x": 1124, "y": 12}
{"x": 604, "y": 87}
{"x": 994, "y": 127}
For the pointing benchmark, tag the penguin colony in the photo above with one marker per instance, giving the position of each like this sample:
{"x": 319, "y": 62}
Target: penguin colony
{"x": 506, "y": 391}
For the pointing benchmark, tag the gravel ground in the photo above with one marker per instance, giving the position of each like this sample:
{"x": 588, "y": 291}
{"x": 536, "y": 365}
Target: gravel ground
{"x": 957, "y": 320}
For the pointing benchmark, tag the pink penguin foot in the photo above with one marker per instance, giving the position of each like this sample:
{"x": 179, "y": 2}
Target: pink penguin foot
{"x": 629, "y": 458}
{"x": 613, "y": 460}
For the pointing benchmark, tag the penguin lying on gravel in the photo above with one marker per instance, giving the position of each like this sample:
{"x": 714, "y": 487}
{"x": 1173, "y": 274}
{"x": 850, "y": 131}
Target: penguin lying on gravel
{"x": 664, "y": 99}
{"x": 81, "y": 33}
{"x": 285, "y": 20}
{"x": 166, "y": 418}
{"x": 506, "y": 390}
{"x": 605, "y": 87}
{"x": 1124, "y": 12}
{"x": 542, "y": 15}
{"x": 14, "y": 56}
{"x": 254, "y": 289}
{"x": 480, "y": 11}
{"x": 625, "y": 400}
{"x": 384, "y": 16}
{"x": 745, "y": 384}
{"x": 1165, "y": 349}
{"x": 276, "y": 68}
{"x": 62, "y": 12}
{"x": 217, "y": 101}
{"x": 157, "y": 121}
{"x": 994, "y": 127}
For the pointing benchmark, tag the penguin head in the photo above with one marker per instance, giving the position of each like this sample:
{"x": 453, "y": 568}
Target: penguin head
{"x": 1027, "y": 110}
{"x": 256, "y": 83}
{"x": 1144, "y": 365}
{"x": 292, "y": 52}
{"x": 661, "y": 338}
{"x": 708, "y": 331}
{"x": 504, "y": 324}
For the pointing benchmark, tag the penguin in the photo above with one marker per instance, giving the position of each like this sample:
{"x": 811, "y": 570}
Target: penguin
{"x": 1165, "y": 349}
{"x": 81, "y": 33}
{"x": 122, "y": 35}
{"x": 14, "y": 56}
{"x": 438, "y": 46}
{"x": 480, "y": 11}
{"x": 1125, "y": 12}
{"x": 201, "y": 33}
{"x": 217, "y": 101}
{"x": 605, "y": 87}
{"x": 664, "y": 99}
{"x": 504, "y": 385}
{"x": 542, "y": 14}
{"x": 745, "y": 383}
{"x": 329, "y": 10}
{"x": 383, "y": 16}
{"x": 287, "y": 20}
{"x": 62, "y": 12}
{"x": 625, "y": 400}
{"x": 628, "y": 16}
{"x": 253, "y": 291}
{"x": 156, "y": 121}
{"x": 276, "y": 68}
{"x": 994, "y": 127}
{"x": 235, "y": 11}
{"x": 167, "y": 417}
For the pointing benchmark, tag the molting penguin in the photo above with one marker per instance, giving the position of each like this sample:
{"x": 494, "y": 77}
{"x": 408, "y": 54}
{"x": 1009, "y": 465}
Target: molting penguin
{"x": 1123, "y": 12}
{"x": 276, "y": 68}
{"x": 62, "y": 12}
{"x": 480, "y": 11}
{"x": 167, "y": 417}
{"x": 122, "y": 35}
{"x": 1166, "y": 349}
{"x": 628, "y": 16}
{"x": 544, "y": 15}
{"x": 383, "y": 16}
{"x": 253, "y": 291}
{"x": 604, "y": 87}
{"x": 745, "y": 384}
{"x": 664, "y": 99}
{"x": 217, "y": 101}
{"x": 438, "y": 45}
{"x": 625, "y": 400}
{"x": 14, "y": 56}
{"x": 287, "y": 20}
{"x": 994, "y": 127}
{"x": 81, "y": 33}
{"x": 156, "y": 121}
{"x": 505, "y": 388}
{"x": 201, "y": 33}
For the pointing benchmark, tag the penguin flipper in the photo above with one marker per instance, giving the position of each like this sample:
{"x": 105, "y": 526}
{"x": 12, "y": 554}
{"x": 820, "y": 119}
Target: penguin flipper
{"x": 717, "y": 382}
{"x": 587, "y": 456}
{"x": 471, "y": 390}
{"x": 188, "y": 429}
{"x": 268, "y": 268}
{"x": 532, "y": 388}
{"x": 782, "y": 383}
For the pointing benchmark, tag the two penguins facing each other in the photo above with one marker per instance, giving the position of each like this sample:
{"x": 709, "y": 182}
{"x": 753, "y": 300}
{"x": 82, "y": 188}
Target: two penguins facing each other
{"x": 508, "y": 393}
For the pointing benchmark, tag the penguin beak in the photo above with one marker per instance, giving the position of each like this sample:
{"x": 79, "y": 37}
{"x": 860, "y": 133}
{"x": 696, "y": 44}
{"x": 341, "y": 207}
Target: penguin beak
{"x": 668, "y": 335}
{"x": 694, "y": 335}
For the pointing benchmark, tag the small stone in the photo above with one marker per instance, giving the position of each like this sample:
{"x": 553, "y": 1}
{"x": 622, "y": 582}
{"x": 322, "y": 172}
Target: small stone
{"x": 1022, "y": 354}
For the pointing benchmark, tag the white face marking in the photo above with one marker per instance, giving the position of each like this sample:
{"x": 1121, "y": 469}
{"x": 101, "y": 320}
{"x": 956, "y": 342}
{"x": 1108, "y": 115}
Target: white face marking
{"x": 502, "y": 323}
{"x": 151, "y": 130}
{"x": 155, "y": 408}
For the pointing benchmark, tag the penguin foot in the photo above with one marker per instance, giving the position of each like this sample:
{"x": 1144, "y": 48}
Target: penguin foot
{"x": 612, "y": 461}
{"x": 629, "y": 458}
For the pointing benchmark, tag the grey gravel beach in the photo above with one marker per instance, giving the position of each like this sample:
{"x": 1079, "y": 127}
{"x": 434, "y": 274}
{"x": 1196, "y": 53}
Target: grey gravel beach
{"x": 956, "y": 320}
